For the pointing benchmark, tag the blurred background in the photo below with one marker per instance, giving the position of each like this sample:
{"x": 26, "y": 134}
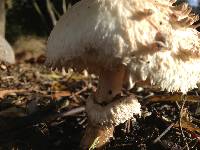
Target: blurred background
{"x": 26, "y": 24}
{"x": 33, "y": 17}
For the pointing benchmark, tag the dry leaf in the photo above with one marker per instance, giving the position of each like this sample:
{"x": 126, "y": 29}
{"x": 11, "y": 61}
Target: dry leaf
{"x": 58, "y": 94}
{"x": 3, "y": 93}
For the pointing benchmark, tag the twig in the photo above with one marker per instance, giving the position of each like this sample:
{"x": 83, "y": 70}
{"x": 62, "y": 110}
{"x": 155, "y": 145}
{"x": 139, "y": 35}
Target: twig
{"x": 183, "y": 98}
{"x": 164, "y": 132}
{"x": 178, "y": 106}
{"x": 38, "y": 10}
{"x": 93, "y": 146}
{"x": 172, "y": 98}
{"x": 189, "y": 142}
{"x": 80, "y": 91}
{"x": 82, "y": 121}
{"x": 55, "y": 10}
{"x": 73, "y": 111}
{"x": 50, "y": 11}
{"x": 64, "y": 6}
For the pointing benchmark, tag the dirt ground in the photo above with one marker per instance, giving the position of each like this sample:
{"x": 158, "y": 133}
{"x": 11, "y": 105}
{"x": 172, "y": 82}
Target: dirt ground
{"x": 42, "y": 109}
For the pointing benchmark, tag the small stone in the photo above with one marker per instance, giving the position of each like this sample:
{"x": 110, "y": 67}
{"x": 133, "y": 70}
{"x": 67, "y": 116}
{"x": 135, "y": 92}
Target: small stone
{"x": 3, "y": 67}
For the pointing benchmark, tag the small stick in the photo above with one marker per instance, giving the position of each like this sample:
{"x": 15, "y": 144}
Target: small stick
{"x": 164, "y": 132}
{"x": 73, "y": 111}
{"x": 80, "y": 91}
{"x": 183, "y": 97}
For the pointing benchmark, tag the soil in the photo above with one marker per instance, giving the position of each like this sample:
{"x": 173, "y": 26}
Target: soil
{"x": 43, "y": 109}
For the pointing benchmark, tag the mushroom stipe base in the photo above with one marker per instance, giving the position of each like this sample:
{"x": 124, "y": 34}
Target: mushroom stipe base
{"x": 103, "y": 119}
{"x": 114, "y": 113}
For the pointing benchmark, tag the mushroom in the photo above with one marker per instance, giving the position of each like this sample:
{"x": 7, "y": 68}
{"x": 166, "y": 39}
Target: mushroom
{"x": 6, "y": 51}
{"x": 125, "y": 41}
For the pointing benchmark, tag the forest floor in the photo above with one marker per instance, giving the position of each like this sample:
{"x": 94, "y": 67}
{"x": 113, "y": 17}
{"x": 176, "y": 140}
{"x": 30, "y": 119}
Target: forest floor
{"x": 42, "y": 109}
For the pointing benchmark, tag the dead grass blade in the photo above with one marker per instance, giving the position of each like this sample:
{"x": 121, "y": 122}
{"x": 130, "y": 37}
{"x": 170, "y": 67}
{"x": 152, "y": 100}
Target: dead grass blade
{"x": 188, "y": 126}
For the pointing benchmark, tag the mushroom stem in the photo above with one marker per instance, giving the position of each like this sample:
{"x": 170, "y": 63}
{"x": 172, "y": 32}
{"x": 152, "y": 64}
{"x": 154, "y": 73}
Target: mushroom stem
{"x": 96, "y": 136}
{"x": 110, "y": 84}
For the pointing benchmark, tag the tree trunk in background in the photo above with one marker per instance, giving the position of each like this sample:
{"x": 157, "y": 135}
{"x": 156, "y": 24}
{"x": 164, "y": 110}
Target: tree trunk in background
{"x": 2, "y": 18}
{"x": 6, "y": 51}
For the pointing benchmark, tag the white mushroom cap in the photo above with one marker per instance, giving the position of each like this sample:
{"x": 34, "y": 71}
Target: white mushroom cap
{"x": 6, "y": 51}
{"x": 114, "y": 113}
{"x": 153, "y": 39}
